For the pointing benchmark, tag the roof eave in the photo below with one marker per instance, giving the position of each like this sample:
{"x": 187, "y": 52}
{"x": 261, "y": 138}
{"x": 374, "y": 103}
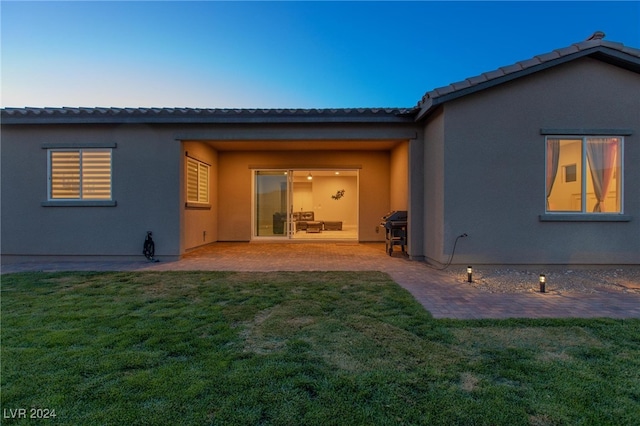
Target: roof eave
{"x": 197, "y": 116}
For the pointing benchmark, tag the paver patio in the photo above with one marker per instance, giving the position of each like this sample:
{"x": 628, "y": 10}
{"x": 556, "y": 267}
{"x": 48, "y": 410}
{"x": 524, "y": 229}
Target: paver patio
{"x": 440, "y": 293}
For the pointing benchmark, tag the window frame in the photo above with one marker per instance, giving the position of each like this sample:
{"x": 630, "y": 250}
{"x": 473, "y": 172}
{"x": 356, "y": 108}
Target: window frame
{"x": 80, "y": 149}
{"x": 584, "y": 214}
{"x": 201, "y": 165}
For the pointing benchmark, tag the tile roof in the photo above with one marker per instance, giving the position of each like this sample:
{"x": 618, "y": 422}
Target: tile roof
{"x": 203, "y": 115}
{"x": 594, "y": 46}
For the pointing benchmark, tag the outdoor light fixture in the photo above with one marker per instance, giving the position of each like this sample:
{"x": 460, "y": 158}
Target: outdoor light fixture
{"x": 543, "y": 281}
{"x": 469, "y": 274}
{"x": 309, "y": 177}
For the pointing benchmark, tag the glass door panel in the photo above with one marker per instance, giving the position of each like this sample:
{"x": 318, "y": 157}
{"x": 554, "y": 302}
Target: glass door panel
{"x": 271, "y": 201}
{"x": 324, "y": 204}
{"x": 305, "y": 204}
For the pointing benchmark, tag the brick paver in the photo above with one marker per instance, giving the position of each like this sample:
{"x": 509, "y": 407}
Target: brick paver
{"x": 440, "y": 293}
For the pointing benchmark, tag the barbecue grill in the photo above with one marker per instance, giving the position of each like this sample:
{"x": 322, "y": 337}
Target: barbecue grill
{"x": 395, "y": 226}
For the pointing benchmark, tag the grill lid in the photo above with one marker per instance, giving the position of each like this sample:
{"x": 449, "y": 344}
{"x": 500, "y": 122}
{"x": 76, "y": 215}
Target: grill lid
{"x": 395, "y": 216}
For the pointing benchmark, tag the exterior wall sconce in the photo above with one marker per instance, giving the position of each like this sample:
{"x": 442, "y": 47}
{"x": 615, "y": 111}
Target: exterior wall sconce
{"x": 469, "y": 274}
{"x": 543, "y": 281}
{"x": 309, "y": 177}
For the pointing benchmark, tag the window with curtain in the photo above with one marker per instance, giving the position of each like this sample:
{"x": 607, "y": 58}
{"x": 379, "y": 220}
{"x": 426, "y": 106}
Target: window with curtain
{"x": 592, "y": 181}
{"x": 197, "y": 181}
{"x": 80, "y": 174}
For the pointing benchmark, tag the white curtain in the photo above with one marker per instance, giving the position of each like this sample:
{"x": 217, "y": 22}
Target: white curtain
{"x": 553, "y": 155}
{"x": 601, "y": 154}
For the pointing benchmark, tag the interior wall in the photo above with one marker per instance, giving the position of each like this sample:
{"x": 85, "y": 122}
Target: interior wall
{"x": 302, "y": 196}
{"x": 326, "y": 208}
{"x": 235, "y": 186}
{"x": 565, "y": 195}
{"x": 200, "y": 225}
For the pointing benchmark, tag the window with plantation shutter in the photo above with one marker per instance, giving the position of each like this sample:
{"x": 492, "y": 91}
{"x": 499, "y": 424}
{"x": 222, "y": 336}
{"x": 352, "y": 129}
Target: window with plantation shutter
{"x": 80, "y": 174}
{"x": 197, "y": 181}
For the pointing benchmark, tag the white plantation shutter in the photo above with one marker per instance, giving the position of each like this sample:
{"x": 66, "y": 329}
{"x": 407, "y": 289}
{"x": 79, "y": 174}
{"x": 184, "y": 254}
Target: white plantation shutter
{"x": 96, "y": 175}
{"x": 203, "y": 183}
{"x": 65, "y": 174}
{"x": 80, "y": 174}
{"x": 192, "y": 180}
{"x": 197, "y": 181}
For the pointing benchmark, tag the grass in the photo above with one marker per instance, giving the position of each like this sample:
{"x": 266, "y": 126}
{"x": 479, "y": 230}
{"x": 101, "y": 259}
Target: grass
{"x": 322, "y": 348}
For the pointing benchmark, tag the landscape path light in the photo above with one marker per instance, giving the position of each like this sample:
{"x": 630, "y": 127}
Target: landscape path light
{"x": 469, "y": 274}
{"x": 543, "y": 281}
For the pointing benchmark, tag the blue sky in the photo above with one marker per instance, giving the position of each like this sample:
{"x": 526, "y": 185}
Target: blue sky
{"x": 278, "y": 54}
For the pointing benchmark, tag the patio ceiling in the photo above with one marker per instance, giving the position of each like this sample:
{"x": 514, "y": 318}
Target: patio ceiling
{"x": 303, "y": 145}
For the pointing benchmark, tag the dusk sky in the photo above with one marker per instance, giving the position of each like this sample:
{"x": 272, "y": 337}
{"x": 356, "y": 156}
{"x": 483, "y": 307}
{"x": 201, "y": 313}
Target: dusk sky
{"x": 278, "y": 54}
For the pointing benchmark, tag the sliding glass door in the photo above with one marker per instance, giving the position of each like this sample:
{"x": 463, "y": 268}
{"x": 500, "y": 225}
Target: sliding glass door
{"x": 305, "y": 204}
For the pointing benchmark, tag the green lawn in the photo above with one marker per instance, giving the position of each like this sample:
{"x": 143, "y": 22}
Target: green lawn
{"x": 317, "y": 348}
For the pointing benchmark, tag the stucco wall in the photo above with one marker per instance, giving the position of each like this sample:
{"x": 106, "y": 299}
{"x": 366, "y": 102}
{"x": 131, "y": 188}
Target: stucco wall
{"x": 234, "y": 190}
{"x": 494, "y": 155}
{"x": 145, "y": 185}
{"x": 399, "y": 178}
{"x": 434, "y": 169}
{"x": 200, "y": 225}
